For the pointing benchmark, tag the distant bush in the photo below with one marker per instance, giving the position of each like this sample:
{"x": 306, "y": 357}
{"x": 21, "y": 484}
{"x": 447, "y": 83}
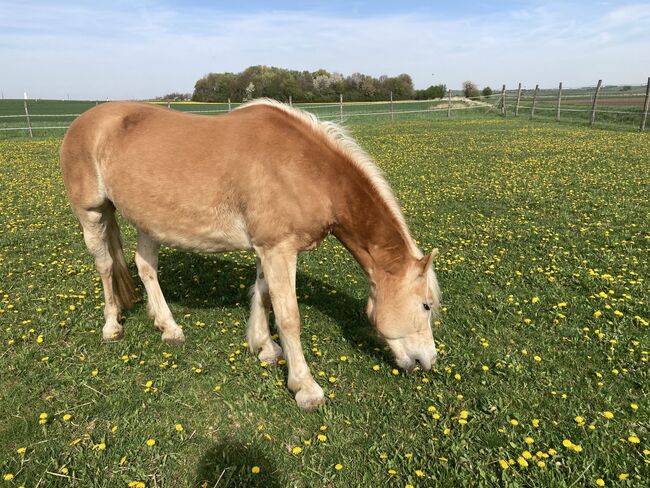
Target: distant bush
{"x": 470, "y": 90}
{"x": 434, "y": 91}
{"x": 487, "y": 91}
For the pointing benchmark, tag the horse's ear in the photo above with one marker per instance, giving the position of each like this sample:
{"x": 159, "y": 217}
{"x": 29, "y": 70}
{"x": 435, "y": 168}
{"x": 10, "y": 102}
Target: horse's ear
{"x": 427, "y": 261}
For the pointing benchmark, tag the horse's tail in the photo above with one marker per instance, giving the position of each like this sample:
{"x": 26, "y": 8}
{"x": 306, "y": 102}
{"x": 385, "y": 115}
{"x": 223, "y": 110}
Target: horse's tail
{"x": 122, "y": 281}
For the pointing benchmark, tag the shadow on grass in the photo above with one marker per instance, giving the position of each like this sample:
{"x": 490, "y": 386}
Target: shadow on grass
{"x": 179, "y": 269}
{"x": 230, "y": 464}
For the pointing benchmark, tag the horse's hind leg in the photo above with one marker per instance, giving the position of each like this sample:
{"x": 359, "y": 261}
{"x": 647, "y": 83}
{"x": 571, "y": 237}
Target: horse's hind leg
{"x": 102, "y": 238}
{"x": 146, "y": 259}
{"x": 257, "y": 330}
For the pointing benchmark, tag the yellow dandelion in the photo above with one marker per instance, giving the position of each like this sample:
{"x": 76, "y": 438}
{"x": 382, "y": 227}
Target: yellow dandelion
{"x": 633, "y": 439}
{"x": 504, "y": 464}
{"x": 296, "y": 450}
{"x": 600, "y": 482}
{"x": 338, "y": 467}
{"x": 608, "y": 415}
{"x": 255, "y": 469}
{"x": 151, "y": 442}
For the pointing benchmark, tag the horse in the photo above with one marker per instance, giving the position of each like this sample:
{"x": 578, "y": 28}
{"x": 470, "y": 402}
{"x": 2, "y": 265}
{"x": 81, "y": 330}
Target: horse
{"x": 265, "y": 177}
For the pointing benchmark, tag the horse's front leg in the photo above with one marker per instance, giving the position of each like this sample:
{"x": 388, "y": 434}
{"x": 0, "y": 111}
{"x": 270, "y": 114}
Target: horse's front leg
{"x": 279, "y": 266}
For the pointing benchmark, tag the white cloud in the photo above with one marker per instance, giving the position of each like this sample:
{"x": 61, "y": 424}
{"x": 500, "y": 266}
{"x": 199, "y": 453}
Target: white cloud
{"x": 125, "y": 52}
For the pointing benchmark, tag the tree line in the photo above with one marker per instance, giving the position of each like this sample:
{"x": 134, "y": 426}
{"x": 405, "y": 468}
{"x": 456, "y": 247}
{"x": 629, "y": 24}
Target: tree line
{"x": 307, "y": 86}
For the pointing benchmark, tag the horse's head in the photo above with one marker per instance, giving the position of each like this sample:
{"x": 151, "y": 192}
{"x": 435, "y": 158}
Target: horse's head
{"x": 401, "y": 306}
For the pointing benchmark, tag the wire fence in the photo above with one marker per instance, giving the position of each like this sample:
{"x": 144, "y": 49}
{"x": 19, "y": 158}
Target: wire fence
{"x": 625, "y": 106}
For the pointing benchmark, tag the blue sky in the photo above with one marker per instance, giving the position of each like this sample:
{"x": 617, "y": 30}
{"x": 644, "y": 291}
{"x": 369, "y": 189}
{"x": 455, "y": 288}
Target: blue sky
{"x": 138, "y": 49}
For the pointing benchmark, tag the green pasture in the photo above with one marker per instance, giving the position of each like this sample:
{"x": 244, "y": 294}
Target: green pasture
{"x": 542, "y": 378}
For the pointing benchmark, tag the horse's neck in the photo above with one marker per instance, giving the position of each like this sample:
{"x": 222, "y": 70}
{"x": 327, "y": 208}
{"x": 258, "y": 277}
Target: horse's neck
{"x": 374, "y": 237}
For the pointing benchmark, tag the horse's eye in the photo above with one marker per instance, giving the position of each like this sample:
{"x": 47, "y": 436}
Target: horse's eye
{"x": 426, "y": 306}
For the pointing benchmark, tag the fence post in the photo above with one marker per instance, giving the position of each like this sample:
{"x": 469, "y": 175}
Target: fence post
{"x": 341, "y": 106}
{"x": 518, "y": 99}
{"x": 229, "y": 106}
{"x": 169, "y": 105}
{"x": 391, "y": 105}
{"x": 644, "y": 115}
{"x": 593, "y": 106}
{"x": 559, "y": 102}
{"x": 29, "y": 122}
{"x": 449, "y": 103}
{"x": 503, "y": 100}
{"x": 532, "y": 109}
{"x": 290, "y": 101}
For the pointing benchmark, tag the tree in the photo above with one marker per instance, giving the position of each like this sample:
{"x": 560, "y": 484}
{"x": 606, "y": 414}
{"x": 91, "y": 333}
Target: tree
{"x": 487, "y": 91}
{"x": 470, "y": 90}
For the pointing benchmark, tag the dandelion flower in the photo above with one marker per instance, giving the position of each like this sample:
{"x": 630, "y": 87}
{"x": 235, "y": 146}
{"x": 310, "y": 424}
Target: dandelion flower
{"x": 255, "y": 469}
{"x": 296, "y": 450}
{"x": 338, "y": 467}
{"x": 608, "y": 415}
{"x": 151, "y": 442}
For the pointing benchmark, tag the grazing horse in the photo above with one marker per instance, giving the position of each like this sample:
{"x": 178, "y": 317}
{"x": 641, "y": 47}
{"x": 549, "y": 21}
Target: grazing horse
{"x": 265, "y": 177}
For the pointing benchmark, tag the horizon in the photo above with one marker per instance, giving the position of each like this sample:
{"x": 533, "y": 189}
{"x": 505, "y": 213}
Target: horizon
{"x": 80, "y": 51}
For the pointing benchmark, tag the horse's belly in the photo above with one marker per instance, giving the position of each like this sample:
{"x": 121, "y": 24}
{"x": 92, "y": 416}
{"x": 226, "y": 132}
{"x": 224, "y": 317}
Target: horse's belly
{"x": 205, "y": 230}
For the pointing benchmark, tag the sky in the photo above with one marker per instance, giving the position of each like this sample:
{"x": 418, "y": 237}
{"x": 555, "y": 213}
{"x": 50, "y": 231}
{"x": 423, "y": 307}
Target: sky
{"x": 141, "y": 49}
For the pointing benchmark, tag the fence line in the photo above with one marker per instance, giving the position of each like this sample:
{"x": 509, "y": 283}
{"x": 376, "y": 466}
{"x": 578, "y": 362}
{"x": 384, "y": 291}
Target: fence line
{"x": 392, "y": 107}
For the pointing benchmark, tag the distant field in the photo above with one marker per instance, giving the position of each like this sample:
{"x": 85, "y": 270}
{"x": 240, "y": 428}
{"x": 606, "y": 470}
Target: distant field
{"x": 544, "y": 338}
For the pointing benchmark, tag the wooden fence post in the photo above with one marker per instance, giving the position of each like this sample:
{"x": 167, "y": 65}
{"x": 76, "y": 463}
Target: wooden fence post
{"x": 449, "y": 103}
{"x": 290, "y": 101}
{"x": 532, "y": 109}
{"x": 229, "y": 105}
{"x": 559, "y": 102}
{"x": 518, "y": 99}
{"x": 341, "y": 106}
{"x": 644, "y": 115}
{"x": 29, "y": 122}
{"x": 503, "y": 100}
{"x": 391, "y": 106}
{"x": 593, "y": 106}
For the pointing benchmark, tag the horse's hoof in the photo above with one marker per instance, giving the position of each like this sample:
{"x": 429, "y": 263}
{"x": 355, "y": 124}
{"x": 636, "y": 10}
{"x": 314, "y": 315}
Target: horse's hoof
{"x": 311, "y": 398}
{"x": 174, "y": 337}
{"x": 271, "y": 353}
{"x": 112, "y": 334}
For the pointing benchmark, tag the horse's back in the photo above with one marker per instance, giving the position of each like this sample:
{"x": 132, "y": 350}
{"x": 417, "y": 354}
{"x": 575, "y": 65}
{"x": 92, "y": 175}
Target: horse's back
{"x": 207, "y": 183}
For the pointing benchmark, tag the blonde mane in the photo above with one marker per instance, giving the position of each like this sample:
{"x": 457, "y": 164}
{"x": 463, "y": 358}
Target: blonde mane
{"x": 342, "y": 141}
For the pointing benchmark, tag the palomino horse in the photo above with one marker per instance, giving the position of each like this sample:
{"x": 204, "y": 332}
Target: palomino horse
{"x": 265, "y": 177}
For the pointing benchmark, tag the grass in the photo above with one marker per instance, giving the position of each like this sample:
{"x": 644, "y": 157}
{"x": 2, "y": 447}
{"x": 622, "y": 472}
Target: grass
{"x": 542, "y": 378}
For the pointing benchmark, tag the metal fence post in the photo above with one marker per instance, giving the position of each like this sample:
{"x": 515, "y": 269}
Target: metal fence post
{"x": 518, "y": 99}
{"x": 290, "y": 101}
{"x": 391, "y": 105}
{"x": 449, "y": 103}
{"x": 341, "y": 106}
{"x": 229, "y": 105}
{"x": 593, "y": 106}
{"x": 29, "y": 122}
{"x": 559, "y": 102}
